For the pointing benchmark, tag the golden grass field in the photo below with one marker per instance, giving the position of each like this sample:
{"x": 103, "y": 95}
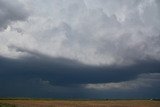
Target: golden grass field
{"x": 70, "y": 103}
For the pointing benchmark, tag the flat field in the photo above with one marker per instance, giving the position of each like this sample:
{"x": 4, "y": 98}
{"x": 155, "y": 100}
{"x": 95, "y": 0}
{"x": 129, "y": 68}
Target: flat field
{"x": 72, "y": 103}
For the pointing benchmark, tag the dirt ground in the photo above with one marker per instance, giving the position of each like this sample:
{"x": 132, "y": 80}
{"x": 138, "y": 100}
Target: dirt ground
{"x": 65, "y": 103}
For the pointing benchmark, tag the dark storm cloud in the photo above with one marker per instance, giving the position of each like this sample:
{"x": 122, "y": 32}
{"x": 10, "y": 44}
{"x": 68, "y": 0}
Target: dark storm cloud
{"x": 65, "y": 71}
{"x": 11, "y": 11}
{"x": 111, "y": 44}
{"x": 42, "y": 76}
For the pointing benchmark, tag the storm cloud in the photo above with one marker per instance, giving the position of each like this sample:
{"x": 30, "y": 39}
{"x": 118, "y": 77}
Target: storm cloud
{"x": 91, "y": 32}
{"x": 11, "y": 12}
{"x": 42, "y": 76}
{"x": 79, "y": 48}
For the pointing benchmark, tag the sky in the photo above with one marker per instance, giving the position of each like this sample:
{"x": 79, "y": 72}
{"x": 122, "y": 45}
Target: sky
{"x": 80, "y": 48}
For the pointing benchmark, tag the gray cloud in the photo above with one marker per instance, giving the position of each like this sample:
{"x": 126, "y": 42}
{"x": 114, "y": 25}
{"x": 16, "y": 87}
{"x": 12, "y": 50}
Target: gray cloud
{"x": 93, "y": 32}
{"x": 11, "y": 12}
{"x": 142, "y": 81}
{"x": 67, "y": 43}
{"x": 43, "y": 76}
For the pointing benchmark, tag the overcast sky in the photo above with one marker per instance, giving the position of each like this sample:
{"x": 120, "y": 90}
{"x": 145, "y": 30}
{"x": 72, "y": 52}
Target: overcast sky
{"x": 80, "y": 48}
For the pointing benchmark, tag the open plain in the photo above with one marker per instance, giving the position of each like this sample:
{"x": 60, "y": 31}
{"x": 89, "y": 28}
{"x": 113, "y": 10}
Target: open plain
{"x": 78, "y": 103}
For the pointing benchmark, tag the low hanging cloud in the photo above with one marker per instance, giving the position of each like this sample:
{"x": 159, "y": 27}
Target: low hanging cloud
{"x": 143, "y": 81}
{"x": 43, "y": 76}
